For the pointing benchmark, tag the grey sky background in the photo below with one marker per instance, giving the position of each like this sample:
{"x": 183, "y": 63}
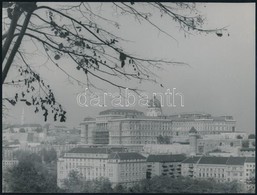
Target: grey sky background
{"x": 219, "y": 81}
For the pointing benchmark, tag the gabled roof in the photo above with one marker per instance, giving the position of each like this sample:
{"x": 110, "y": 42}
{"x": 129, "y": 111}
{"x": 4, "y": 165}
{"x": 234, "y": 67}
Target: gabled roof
{"x": 126, "y": 156}
{"x": 193, "y": 159}
{"x": 166, "y": 158}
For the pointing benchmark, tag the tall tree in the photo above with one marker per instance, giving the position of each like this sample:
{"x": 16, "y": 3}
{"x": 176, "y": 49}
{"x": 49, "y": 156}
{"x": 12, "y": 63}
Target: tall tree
{"x": 76, "y": 184}
{"x": 30, "y": 176}
{"x": 165, "y": 184}
{"x": 75, "y": 32}
{"x": 73, "y": 183}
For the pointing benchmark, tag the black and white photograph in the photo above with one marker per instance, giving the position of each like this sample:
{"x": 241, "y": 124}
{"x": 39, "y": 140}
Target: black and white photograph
{"x": 128, "y": 97}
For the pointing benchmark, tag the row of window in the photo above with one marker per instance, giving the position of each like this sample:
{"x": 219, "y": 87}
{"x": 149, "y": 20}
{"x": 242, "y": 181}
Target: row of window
{"x": 212, "y": 169}
{"x": 250, "y": 165}
{"x": 234, "y": 174}
{"x": 211, "y": 175}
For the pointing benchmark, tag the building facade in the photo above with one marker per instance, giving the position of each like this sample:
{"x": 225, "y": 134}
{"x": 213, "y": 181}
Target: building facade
{"x": 222, "y": 169}
{"x": 124, "y": 126}
{"x": 92, "y": 163}
{"x": 205, "y": 124}
{"x": 166, "y": 165}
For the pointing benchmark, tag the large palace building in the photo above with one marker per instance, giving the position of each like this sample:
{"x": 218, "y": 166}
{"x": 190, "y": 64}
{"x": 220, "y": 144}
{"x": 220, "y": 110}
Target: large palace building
{"x": 124, "y": 126}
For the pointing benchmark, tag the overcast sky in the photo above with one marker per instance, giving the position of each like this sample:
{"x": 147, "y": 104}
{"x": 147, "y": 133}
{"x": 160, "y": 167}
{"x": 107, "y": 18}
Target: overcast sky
{"x": 219, "y": 81}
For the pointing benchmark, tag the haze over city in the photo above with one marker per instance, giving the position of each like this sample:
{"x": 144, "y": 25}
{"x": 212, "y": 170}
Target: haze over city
{"x": 128, "y": 97}
{"x": 219, "y": 80}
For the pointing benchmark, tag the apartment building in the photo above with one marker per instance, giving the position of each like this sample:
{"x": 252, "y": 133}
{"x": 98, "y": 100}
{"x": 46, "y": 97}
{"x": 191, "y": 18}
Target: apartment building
{"x": 8, "y": 161}
{"x": 221, "y": 169}
{"x": 8, "y": 157}
{"x": 189, "y": 165}
{"x": 209, "y": 167}
{"x": 92, "y": 163}
{"x": 166, "y": 165}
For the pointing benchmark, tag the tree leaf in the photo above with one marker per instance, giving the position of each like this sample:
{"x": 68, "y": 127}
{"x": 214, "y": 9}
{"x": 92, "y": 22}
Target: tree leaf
{"x": 57, "y": 57}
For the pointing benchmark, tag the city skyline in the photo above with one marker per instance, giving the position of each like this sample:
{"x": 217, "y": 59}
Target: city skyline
{"x": 128, "y": 97}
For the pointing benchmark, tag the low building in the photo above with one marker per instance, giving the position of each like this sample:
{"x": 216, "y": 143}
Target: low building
{"x": 92, "y": 163}
{"x": 169, "y": 165}
{"x": 221, "y": 169}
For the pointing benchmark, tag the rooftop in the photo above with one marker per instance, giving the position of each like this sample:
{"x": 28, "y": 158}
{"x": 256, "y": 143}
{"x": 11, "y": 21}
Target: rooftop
{"x": 250, "y": 160}
{"x": 199, "y": 116}
{"x": 213, "y": 160}
{"x": 166, "y": 158}
{"x": 120, "y": 112}
{"x": 236, "y": 161}
{"x": 25, "y": 125}
{"x": 89, "y": 119}
{"x": 219, "y": 160}
{"x": 90, "y": 150}
{"x": 193, "y": 159}
{"x": 126, "y": 156}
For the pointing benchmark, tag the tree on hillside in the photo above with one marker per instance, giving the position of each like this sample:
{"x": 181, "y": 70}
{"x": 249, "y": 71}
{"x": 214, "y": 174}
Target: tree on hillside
{"x": 119, "y": 189}
{"x": 27, "y": 157}
{"x": 75, "y": 33}
{"x": 165, "y": 184}
{"x": 76, "y": 184}
{"x": 30, "y": 176}
{"x": 48, "y": 156}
